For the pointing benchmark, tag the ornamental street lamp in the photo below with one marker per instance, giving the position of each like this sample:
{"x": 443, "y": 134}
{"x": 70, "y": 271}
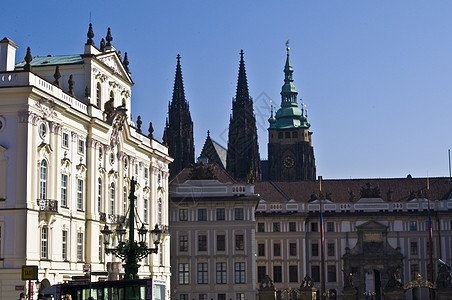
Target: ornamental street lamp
{"x": 131, "y": 251}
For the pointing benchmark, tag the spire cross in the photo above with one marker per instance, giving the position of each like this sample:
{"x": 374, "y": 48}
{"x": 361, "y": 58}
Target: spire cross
{"x": 287, "y": 47}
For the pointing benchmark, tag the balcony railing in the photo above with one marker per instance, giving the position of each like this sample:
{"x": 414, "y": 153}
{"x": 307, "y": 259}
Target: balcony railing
{"x": 48, "y": 205}
{"x": 117, "y": 219}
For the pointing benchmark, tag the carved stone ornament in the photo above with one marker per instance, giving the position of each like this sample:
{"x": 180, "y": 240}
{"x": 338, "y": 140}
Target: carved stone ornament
{"x": 110, "y": 61}
{"x": 28, "y": 117}
{"x": 56, "y": 127}
{"x": 112, "y": 173}
{"x": 93, "y": 143}
{"x": 81, "y": 168}
{"x": 65, "y": 164}
{"x": 47, "y": 108}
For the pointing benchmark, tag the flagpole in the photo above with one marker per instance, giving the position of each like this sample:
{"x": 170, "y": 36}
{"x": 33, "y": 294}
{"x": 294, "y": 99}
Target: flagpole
{"x": 322, "y": 247}
{"x": 430, "y": 232}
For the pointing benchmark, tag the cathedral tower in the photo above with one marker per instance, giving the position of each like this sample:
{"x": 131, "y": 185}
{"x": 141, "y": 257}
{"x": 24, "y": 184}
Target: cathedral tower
{"x": 179, "y": 128}
{"x": 243, "y": 149}
{"x": 290, "y": 151}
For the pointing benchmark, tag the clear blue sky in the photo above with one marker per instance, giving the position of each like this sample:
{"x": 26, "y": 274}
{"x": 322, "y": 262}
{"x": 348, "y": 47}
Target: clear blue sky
{"x": 376, "y": 74}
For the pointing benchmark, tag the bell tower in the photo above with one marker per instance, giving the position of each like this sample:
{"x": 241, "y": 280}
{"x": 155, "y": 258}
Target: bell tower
{"x": 290, "y": 151}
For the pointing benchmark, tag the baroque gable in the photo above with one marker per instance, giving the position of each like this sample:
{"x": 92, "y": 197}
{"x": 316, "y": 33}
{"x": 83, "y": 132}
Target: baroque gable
{"x": 112, "y": 61}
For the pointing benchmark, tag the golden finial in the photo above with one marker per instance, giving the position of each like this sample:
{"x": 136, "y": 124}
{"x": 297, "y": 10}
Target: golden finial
{"x": 287, "y": 46}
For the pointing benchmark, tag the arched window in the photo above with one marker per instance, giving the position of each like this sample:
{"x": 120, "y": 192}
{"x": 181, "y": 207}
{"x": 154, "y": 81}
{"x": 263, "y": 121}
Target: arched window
{"x": 112, "y": 199}
{"x": 98, "y": 98}
{"x": 125, "y": 200}
{"x": 43, "y": 180}
{"x": 99, "y": 195}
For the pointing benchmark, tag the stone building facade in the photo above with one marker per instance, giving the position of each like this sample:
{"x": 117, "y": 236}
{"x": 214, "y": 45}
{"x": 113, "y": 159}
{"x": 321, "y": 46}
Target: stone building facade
{"x": 68, "y": 150}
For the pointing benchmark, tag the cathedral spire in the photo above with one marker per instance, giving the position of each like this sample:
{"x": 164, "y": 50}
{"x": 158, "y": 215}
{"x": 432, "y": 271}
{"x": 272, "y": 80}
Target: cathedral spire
{"x": 243, "y": 148}
{"x": 179, "y": 127}
{"x": 178, "y": 91}
{"x": 242, "y": 94}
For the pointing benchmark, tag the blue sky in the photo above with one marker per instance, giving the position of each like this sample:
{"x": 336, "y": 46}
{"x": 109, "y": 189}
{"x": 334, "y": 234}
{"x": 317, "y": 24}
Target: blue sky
{"x": 376, "y": 75}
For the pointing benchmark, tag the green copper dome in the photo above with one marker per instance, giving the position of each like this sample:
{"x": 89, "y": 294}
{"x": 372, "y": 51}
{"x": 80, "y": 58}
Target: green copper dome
{"x": 289, "y": 115}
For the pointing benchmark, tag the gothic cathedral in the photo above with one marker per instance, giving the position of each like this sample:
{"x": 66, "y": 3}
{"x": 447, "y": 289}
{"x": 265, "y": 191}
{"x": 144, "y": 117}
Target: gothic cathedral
{"x": 243, "y": 150}
{"x": 178, "y": 133}
{"x": 290, "y": 151}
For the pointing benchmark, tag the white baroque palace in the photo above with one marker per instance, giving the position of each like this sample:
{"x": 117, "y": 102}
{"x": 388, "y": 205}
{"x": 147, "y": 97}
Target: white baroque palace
{"x": 68, "y": 150}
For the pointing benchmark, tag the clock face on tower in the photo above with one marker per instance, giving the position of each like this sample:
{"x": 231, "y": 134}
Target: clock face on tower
{"x": 288, "y": 162}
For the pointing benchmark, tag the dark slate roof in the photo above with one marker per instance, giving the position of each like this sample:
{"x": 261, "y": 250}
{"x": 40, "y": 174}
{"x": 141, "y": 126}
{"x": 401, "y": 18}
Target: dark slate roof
{"x": 402, "y": 189}
{"x": 39, "y": 61}
{"x": 214, "y": 152}
{"x": 220, "y": 174}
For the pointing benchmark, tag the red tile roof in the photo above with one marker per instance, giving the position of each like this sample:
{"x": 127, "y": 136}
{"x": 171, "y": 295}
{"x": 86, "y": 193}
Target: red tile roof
{"x": 220, "y": 174}
{"x": 340, "y": 190}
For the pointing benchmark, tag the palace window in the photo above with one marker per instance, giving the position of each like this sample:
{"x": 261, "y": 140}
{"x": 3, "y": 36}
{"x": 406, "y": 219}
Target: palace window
{"x": 238, "y": 214}
{"x": 99, "y": 195}
{"x": 240, "y": 296}
{"x": 183, "y": 243}
{"x": 277, "y": 273}
{"x": 261, "y": 272}
{"x": 260, "y": 249}
{"x": 413, "y": 226}
{"x": 202, "y": 242}
{"x": 44, "y": 242}
{"x": 81, "y": 146}
{"x": 64, "y": 244}
{"x": 239, "y": 242}
{"x": 292, "y": 249}
{"x": 293, "y": 273}
{"x": 331, "y": 273}
{"x": 413, "y": 248}
{"x": 314, "y": 227}
{"x": 202, "y": 273}
{"x": 221, "y": 273}
{"x": 183, "y": 214}
{"x": 43, "y": 180}
{"x": 65, "y": 139}
{"x": 276, "y": 249}
{"x": 292, "y": 227}
{"x": 330, "y": 249}
{"x": 260, "y": 227}
{"x": 145, "y": 211}
{"x": 79, "y": 194}
{"x": 112, "y": 199}
{"x": 330, "y": 226}
{"x": 220, "y": 214}
{"x": 221, "y": 242}
{"x": 64, "y": 190}
{"x": 202, "y": 214}
{"x": 276, "y": 227}
{"x": 124, "y": 201}
{"x": 79, "y": 246}
{"x": 315, "y": 249}
{"x": 315, "y": 273}
{"x": 183, "y": 273}
{"x": 98, "y": 99}
{"x": 239, "y": 268}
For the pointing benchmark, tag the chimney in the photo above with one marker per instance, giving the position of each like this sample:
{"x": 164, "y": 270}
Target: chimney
{"x": 7, "y": 55}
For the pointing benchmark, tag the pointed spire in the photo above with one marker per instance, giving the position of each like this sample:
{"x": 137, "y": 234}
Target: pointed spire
{"x": 90, "y": 35}
{"x": 28, "y": 58}
{"x": 126, "y": 62}
{"x": 102, "y": 45}
{"x": 288, "y": 92}
{"x": 109, "y": 38}
{"x": 242, "y": 94}
{"x": 208, "y": 134}
{"x": 71, "y": 83}
{"x": 57, "y": 76}
{"x": 178, "y": 91}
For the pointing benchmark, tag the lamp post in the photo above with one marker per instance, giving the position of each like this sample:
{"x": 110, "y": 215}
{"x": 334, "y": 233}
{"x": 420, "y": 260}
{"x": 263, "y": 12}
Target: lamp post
{"x": 131, "y": 251}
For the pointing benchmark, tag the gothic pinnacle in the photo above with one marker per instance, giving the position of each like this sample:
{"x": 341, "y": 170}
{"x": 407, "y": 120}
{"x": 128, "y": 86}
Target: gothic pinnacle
{"x": 90, "y": 35}
{"x": 109, "y": 38}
